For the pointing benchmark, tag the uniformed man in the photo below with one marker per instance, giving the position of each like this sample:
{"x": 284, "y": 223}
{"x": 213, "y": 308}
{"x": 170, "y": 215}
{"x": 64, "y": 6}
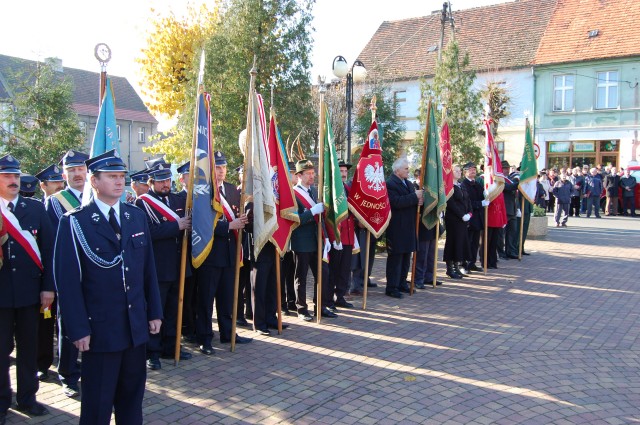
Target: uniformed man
{"x": 287, "y": 269}
{"x": 139, "y": 184}
{"x": 244, "y": 310}
{"x": 51, "y": 181}
{"x": 304, "y": 244}
{"x": 513, "y": 212}
{"x": 108, "y": 294}
{"x": 228, "y": 190}
{"x": 167, "y": 222}
{"x": 26, "y": 286}
{"x": 189, "y": 304}
{"x": 216, "y": 276}
{"x": 28, "y": 186}
{"x": 74, "y": 172}
{"x": 478, "y": 204}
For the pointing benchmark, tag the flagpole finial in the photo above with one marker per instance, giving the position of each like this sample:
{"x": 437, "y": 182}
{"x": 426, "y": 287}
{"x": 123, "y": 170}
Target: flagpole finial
{"x": 321, "y": 83}
{"x": 201, "y": 73}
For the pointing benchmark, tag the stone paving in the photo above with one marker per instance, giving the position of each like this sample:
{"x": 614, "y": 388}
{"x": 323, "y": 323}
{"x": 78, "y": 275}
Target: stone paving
{"x": 550, "y": 339}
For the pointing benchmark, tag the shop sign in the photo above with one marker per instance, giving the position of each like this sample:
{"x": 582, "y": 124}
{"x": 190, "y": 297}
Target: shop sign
{"x": 559, "y": 147}
{"x": 584, "y": 146}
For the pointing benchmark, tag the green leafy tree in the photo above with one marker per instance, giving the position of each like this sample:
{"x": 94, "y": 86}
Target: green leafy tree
{"x": 451, "y": 87}
{"x": 42, "y": 124}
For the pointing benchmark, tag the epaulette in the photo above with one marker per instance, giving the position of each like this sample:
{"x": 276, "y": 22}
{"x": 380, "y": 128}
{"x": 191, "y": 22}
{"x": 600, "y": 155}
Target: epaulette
{"x": 74, "y": 211}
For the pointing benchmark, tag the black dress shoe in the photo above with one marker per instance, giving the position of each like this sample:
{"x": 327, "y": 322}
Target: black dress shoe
{"x": 474, "y": 268}
{"x": 393, "y": 294}
{"x": 35, "y": 409}
{"x": 189, "y": 339}
{"x": 404, "y": 289}
{"x": 71, "y": 390}
{"x": 525, "y": 253}
{"x": 206, "y": 349}
{"x": 453, "y": 275}
{"x": 328, "y": 313}
{"x": 154, "y": 364}
{"x": 512, "y": 257}
{"x": 344, "y": 303}
{"x": 263, "y": 332}
{"x": 332, "y": 308}
{"x": 305, "y": 316}
{"x": 184, "y": 355}
{"x": 275, "y": 326}
{"x": 239, "y": 340}
{"x": 419, "y": 286}
{"x": 372, "y": 285}
{"x": 43, "y": 375}
{"x": 242, "y": 322}
{"x": 492, "y": 267}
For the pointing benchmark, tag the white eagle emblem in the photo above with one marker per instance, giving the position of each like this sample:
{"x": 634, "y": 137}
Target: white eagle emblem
{"x": 374, "y": 174}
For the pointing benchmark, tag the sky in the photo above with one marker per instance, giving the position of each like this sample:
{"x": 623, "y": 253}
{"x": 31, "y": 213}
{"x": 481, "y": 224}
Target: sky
{"x": 70, "y": 29}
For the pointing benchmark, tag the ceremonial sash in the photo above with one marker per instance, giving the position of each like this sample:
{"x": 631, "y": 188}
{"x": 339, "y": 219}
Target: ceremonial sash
{"x": 303, "y": 196}
{"x": 23, "y": 237}
{"x": 167, "y": 213}
{"x": 67, "y": 200}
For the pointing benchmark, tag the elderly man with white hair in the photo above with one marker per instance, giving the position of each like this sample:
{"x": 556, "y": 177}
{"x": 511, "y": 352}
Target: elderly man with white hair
{"x": 401, "y": 233}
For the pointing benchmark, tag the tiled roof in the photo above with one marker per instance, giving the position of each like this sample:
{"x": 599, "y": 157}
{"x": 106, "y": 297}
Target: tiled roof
{"x": 86, "y": 84}
{"x": 567, "y": 36}
{"x": 501, "y": 36}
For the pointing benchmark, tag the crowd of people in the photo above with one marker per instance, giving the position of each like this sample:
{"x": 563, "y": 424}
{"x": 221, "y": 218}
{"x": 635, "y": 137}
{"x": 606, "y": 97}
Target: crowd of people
{"x": 108, "y": 272}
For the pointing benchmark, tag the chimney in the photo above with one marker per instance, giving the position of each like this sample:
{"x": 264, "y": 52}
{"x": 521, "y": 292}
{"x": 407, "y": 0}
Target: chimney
{"x": 55, "y": 63}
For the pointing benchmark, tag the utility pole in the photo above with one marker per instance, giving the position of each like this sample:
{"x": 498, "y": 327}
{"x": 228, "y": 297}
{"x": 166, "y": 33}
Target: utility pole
{"x": 445, "y": 17}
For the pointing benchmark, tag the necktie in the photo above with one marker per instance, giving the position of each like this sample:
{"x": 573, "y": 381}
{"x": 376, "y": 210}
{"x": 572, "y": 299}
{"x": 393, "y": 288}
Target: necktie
{"x": 114, "y": 222}
{"x": 165, "y": 199}
{"x": 312, "y": 196}
{"x": 10, "y": 206}
{"x": 222, "y": 190}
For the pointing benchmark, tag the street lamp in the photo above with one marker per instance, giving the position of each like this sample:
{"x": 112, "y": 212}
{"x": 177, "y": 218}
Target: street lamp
{"x": 356, "y": 73}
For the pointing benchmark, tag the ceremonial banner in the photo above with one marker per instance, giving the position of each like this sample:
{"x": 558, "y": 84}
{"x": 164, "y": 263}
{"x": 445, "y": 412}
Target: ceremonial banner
{"x": 435, "y": 200}
{"x": 447, "y": 159}
{"x": 493, "y": 175}
{"x": 258, "y": 177}
{"x": 369, "y": 200}
{"x": 528, "y": 167}
{"x": 335, "y": 200}
{"x": 207, "y": 209}
{"x": 285, "y": 203}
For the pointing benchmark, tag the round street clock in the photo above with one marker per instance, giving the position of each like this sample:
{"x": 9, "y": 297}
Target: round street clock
{"x": 102, "y": 52}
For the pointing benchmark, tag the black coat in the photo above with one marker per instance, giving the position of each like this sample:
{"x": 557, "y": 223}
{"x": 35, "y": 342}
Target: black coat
{"x": 21, "y": 280}
{"x": 232, "y": 195}
{"x": 401, "y": 233}
{"x": 456, "y": 247}
{"x": 510, "y": 189}
{"x": 475, "y": 194}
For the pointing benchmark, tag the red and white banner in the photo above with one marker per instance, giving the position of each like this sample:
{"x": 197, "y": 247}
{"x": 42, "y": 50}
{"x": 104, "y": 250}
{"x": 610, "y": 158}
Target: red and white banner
{"x": 23, "y": 237}
{"x": 493, "y": 174}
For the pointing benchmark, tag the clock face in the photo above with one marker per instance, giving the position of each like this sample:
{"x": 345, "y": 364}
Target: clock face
{"x": 102, "y": 52}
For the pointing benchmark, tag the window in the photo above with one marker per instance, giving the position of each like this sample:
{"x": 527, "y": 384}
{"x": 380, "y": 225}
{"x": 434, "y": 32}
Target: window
{"x": 141, "y": 135}
{"x": 401, "y": 103}
{"x": 607, "y": 90}
{"x": 83, "y": 128}
{"x": 563, "y": 89}
{"x": 118, "y": 130}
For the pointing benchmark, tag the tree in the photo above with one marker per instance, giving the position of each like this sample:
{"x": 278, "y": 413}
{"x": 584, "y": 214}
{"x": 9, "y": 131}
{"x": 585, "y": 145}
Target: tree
{"x": 42, "y": 124}
{"x": 451, "y": 87}
{"x": 497, "y": 97}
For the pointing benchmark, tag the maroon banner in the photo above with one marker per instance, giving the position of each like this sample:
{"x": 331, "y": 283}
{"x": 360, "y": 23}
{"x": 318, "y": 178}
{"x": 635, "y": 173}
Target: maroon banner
{"x": 447, "y": 159}
{"x": 368, "y": 198}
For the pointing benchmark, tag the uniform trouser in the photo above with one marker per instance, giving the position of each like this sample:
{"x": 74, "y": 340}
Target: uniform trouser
{"x": 46, "y": 329}
{"x": 424, "y": 261}
{"x": 340, "y": 271}
{"x": 511, "y": 236}
{"x": 561, "y": 208}
{"x": 612, "y": 205}
{"x": 287, "y": 281}
{"x": 525, "y": 230}
{"x": 164, "y": 342}
{"x": 214, "y": 283}
{"x": 263, "y": 285}
{"x": 68, "y": 367}
{"x": 22, "y": 324}
{"x": 357, "y": 282}
{"x": 593, "y": 201}
{"x": 244, "y": 290}
{"x": 629, "y": 203}
{"x": 113, "y": 381}
{"x": 397, "y": 270}
{"x": 474, "y": 244}
{"x": 574, "y": 209}
{"x": 189, "y": 306}
{"x": 493, "y": 235}
{"x": 500, "y": 243}
{"x": 303, "y": 262}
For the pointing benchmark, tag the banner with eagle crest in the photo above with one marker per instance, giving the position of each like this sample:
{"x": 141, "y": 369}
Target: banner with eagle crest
{"x": 368, "y": 199}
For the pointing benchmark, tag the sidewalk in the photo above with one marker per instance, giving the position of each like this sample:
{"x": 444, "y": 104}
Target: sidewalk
{"x": 551, "y": 339}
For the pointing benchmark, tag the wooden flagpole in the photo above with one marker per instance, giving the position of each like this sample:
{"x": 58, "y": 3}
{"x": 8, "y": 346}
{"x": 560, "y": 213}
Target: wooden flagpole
{"x": 188, "y": 208}
{"x": 365, "y": 284}
{"x": 485, "y": 236}
{"x": 243, "y": 197}
{"x": 521, "y": 229}
{"x": 320, "y": 237}
{"x": 423, "y": 166}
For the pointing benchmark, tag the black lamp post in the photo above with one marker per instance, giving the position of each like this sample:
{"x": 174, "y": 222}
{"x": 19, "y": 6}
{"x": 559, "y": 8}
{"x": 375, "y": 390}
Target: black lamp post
{"x": 356, "y": 73}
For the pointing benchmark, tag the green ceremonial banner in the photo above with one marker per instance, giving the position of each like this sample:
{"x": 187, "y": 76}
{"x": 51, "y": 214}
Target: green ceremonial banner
{"x": 528, "y": 167}
{"x": 333, "y": 196}
{"x": 435, "y": 200}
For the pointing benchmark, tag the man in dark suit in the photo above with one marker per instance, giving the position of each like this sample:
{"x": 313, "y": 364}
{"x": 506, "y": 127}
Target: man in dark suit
{"x": 167, "y": 223}
{"x": 511, "y": 233}
{"x": 401, "y": 233}
{"x": 304, "y": 244}
{"x": 478, "y": 203}
{"x": 74, "y": 172}
{"x": 139, "y": 184}
{"x": 51, "y": 181}
{"x": 26, "y": 286}
{"x": 108, "y": 294}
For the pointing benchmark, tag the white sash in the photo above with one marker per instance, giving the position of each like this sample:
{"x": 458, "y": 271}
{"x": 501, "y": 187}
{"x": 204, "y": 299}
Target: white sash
{"x": 166, "y": 212}
{"x": 23, "y": 237}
